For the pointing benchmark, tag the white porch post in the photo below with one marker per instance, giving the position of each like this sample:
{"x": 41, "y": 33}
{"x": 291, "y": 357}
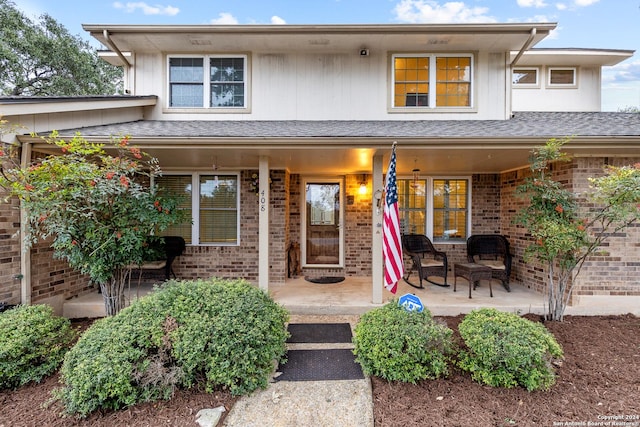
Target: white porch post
{"x": 25, "y": 250}
{"x": 263, "y": 221}
{"x": 376, "y": 231}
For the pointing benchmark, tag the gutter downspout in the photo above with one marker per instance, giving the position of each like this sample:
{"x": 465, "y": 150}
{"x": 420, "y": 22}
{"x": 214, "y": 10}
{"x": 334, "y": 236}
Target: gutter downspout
{"x": 524, "y": 47}
{"x": 509, "y": 83}
{"x": 127, "y": 64}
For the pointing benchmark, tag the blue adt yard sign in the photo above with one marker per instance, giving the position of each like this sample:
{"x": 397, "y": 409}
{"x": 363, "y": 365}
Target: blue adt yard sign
{"x": 411, "y": 302}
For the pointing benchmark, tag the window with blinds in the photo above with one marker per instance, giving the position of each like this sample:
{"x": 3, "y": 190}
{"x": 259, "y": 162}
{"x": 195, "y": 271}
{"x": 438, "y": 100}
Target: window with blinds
{"x": 212, "y": 202}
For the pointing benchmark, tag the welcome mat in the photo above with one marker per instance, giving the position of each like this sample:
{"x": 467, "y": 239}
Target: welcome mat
{"x": 320, "y": 365}
{"x": 319, "y": 332}
{"x": 324, "y": 279}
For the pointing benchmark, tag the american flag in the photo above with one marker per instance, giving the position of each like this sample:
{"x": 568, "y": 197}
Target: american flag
{"x": 391, "y": 245}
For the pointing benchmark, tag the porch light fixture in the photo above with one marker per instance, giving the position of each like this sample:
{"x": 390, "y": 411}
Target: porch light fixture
{"x": 416, "y": 174}
{"x": 363, "y": 185}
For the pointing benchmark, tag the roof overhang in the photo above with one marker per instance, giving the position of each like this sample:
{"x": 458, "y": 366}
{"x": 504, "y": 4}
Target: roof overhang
{"x": 572, "y": 57}
{"x": 21, "y": 105}
{"x": 350, "y": 155}
{"x": 318, "y": 38}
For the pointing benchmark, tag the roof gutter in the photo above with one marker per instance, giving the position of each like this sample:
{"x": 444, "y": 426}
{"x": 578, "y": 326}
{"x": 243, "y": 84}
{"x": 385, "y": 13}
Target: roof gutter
{"x": 114, "y": 48}
{"x": 524, "y": 48}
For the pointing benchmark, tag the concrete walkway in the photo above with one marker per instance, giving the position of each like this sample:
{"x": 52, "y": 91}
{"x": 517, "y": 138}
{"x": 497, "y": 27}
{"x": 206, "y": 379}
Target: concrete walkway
{"x": 339, "y": 403}
{"x": 306, "y": 403}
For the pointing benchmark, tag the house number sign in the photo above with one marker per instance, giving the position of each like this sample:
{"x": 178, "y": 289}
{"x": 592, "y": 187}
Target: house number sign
{"x": 263, "y": 202}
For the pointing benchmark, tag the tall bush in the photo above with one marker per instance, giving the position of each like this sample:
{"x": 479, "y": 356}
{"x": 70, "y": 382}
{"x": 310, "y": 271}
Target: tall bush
{"x": 398, "y": 345}
{"x": 209, "y": 333}
{"x": 98, "y": 208}
{"x": 33, "y": 342}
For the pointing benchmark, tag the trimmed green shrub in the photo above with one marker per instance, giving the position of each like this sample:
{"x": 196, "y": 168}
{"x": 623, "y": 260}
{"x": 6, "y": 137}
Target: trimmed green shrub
{"x": 33, "y": 342}
{"x": 506, "y": 350}
{"x": 214, "y": 334}
{"x": 399, "y": 345}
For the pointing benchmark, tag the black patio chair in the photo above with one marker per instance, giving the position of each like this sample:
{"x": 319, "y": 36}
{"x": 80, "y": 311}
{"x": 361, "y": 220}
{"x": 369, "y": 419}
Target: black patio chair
{"x": 425, "y": 259}
{"x": 164, "y": 250}
{"x": 491, "y": 250}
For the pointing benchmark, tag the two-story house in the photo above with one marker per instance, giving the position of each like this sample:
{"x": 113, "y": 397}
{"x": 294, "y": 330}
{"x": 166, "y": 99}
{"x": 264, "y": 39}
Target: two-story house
{"x": 282, "y": 134}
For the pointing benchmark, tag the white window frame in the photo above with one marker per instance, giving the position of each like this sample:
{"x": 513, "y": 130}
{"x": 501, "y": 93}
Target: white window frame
{"x": 526, "y": 85}
{"x": 432, "y": 82}
{"x": 429, "y": 206}
{"x": 195, "y": 204}
{"x": 206, "y": 82}
{"x": 568, "y": 85}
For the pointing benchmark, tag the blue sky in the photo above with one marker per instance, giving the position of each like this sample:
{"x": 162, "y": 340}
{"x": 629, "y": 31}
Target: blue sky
{"x": 606, "y": 24}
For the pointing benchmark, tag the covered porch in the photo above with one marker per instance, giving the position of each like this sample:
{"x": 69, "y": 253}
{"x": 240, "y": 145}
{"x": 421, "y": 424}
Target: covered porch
{"x": 353, "y": 296}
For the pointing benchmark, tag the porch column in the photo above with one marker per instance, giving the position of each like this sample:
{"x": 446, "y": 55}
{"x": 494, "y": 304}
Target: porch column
{"x": 263, "y": 222}
{"x": 376, "y": 232}
{"x": 25, "y": 250}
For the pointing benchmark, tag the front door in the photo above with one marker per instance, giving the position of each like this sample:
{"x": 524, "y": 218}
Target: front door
{"x": 322, "y": 223}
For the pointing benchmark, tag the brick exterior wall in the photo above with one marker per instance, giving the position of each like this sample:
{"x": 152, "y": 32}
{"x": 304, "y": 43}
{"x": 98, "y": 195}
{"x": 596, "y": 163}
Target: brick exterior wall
{"x": 10, "y": 291}
{"x": 615, "y": 271}
{"x": 52, "y": 278}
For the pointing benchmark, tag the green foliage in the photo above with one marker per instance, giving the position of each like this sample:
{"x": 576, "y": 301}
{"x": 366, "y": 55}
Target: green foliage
{"x": 552, "y": 214}
{"x": 33, "y": 342}
{"x": 98, "y": 208}
{"x": 214, "y": 333}
{"x": 564, "y": 232}
{"x": 43, "y": 59}
{"x": 399, "y": 345}
{"x": 505, "y": 350}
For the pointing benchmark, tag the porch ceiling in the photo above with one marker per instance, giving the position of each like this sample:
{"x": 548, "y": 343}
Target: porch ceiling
{"x": 339, "y": 161}
{"x": 447, "y": 158}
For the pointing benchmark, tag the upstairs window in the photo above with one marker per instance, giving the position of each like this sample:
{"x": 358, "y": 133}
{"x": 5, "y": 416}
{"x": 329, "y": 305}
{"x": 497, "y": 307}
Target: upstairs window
{"x": 431, "y": 81}
{"x": 562, "y": 76}
{"x": 210, "y": 81}
{"x": 525, "y": 77}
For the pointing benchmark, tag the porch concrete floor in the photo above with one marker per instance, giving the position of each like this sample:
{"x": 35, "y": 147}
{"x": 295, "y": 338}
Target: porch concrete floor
{"x": 354, "y": 296}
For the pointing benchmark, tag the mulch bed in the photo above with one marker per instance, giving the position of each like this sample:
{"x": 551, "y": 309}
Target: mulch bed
{"x": 599, "y": 378}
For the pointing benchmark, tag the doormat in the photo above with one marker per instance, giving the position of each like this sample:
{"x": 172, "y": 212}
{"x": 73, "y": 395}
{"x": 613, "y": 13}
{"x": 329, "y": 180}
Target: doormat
{"x": 320, "y": 365}
{"x": 319, "y": 332}
{"x": 324, "y": 279}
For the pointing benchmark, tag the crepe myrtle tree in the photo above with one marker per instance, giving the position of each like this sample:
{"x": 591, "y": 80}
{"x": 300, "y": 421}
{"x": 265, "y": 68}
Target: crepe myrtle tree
{"x": 567, "y": 228}
{"x": 97, "y": 209}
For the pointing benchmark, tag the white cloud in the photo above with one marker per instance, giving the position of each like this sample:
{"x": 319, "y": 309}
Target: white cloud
{"x": 429, "y": 11}
{"x": 147, "y": 9}
{"x": 627, "y": 71}
{"x": 532, "y": 3}
{"x": 225, "y": 18}
{"x": 584, "y": 3}
{"x": 276, "y": 20}
{"x": 561, "y": 6}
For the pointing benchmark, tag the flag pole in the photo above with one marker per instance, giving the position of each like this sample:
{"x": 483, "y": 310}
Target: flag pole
{"x": 391, "y": 243}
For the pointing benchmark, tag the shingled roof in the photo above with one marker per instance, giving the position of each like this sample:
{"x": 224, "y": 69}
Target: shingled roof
{"x": 521, "y": 125}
